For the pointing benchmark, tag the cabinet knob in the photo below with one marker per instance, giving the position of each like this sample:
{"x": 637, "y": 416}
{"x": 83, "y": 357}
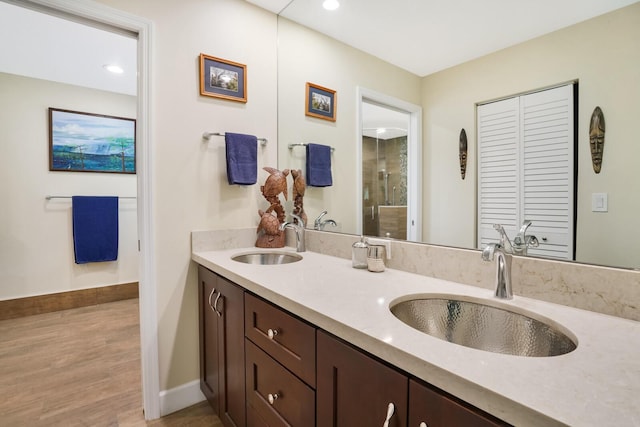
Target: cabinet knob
{"x": 272, "y": 398}
{"x": 390, "y": 410}
{"x": 423, "y": 424}
{"x": 271, "y": 333}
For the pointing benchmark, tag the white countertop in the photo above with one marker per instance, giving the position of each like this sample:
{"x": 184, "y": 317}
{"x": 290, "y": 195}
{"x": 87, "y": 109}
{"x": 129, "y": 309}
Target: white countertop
{"x": 598, "y": 384}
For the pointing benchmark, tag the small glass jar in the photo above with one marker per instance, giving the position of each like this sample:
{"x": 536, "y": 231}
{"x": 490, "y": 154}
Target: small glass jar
{"x": 375, "y": 258}
{"x": 359, "y": 252}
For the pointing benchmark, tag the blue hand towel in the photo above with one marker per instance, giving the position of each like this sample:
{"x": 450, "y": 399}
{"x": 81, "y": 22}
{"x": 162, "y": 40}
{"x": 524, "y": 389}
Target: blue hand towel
{"x": 242, "y": 158}
{"x": 95, "y": 228}
{"x": 319, "y": 165}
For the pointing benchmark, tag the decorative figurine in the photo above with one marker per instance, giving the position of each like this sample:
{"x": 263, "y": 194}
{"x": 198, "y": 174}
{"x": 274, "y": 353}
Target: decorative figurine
{"x": 299, "y": 187}
{"x": 596, "y": 139}
{"x": 463, "y": 153}
{"x": 269, "y": 233}
{"x": 275, "y": 184}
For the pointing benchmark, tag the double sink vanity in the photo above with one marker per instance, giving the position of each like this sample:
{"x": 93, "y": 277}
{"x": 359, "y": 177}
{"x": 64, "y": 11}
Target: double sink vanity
{"x": 305, "y": 339}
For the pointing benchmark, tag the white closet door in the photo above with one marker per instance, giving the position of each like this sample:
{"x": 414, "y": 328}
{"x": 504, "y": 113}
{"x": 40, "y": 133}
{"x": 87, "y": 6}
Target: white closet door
{"x": 548, "y": 170}
{"x": 526, "y": 169}
{"x": 498, "y": 165}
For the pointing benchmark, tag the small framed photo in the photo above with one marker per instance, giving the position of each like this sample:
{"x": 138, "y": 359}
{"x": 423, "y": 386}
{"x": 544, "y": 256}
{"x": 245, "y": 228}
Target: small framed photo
{"x": 85, "y": 142}
{"x": 320, "y": 102}
{"x": 224, "y": 79}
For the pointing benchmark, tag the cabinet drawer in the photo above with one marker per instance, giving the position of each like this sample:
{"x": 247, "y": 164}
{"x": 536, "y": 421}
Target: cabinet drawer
{"x": 275, "y": 396}
{"x": 428, "y": 405}
{"x": 287, "y": 339}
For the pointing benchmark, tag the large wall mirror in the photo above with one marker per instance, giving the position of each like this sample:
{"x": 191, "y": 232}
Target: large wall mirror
{"x": 601, "y": 54}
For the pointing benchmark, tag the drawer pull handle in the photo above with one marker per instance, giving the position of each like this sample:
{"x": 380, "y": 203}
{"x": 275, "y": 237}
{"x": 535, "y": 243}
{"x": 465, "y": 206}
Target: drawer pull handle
{"x": 390, "y": 410}
{"x": 213, "y": 291}
{"x": 271, "y": 333}
{"x": 215, "y": 305}
{"x": 272, "y": 398}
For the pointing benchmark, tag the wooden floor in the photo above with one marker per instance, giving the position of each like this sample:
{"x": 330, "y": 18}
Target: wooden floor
{"x": 79, "y": 367}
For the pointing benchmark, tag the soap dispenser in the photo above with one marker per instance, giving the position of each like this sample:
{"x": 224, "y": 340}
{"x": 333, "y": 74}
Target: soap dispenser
{"x": 359, "y": 253}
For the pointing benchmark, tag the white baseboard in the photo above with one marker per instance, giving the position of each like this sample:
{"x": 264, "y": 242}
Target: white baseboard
{"x": 180, "y": 397}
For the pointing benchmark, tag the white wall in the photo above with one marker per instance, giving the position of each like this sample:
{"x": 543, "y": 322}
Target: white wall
{"x": 305, "y": 56}
{"x": 36, "y": 246}
{"x": 603, "y": 54}
{"x": 191, "y": 189}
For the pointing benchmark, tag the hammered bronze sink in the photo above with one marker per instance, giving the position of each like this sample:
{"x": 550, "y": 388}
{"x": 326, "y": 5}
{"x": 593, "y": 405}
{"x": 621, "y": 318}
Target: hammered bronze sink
{"x": 484, "y": 327}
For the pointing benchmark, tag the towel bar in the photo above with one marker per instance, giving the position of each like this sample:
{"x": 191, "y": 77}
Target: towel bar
{"x": 207, "y": 136}
{"x": 68, "y": 197}
{"x": 304, "y": 144}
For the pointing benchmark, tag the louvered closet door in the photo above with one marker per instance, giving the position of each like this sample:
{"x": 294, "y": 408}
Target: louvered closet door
{"x": 526, "y": 169}
{"x": 498, "y": 162}
{"x": 548, "y": 170}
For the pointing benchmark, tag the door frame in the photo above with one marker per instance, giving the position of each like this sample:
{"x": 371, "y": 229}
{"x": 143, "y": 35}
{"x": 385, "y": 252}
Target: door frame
{"x": 96, "y": 12}
{"x": 414, "y": 158}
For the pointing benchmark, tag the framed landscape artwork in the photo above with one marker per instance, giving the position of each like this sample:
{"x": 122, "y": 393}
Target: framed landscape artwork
{"x": 224, "y": 79}
{"x": 320, "y": 102}
{"x": 85, "y": 142}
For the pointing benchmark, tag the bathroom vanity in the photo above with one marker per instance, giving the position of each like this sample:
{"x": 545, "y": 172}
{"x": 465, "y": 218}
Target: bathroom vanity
{"x": 299, "y": 375}
{"x": 314, "y": 342}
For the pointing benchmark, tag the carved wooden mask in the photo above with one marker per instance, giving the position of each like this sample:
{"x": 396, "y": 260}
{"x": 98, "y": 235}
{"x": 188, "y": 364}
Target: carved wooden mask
{"x": 596, "y": 138}
{"x": 463, "y": 153}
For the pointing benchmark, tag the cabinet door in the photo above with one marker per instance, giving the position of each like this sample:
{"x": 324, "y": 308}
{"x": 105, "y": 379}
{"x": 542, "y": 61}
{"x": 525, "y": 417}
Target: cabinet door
{"x": 353, "y": 389}
{"x": 208, "y": 337}
{"x": 433, "y": 408}
{"x": 230, "y": 305}
{"x": 221, "y": 309}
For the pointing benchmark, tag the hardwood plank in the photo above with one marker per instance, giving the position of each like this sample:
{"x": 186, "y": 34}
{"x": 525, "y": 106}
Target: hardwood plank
{"x": 79, "y": 367}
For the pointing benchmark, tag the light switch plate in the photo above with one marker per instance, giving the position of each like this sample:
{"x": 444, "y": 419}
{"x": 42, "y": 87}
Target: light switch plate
{"x": 599, "y": 202}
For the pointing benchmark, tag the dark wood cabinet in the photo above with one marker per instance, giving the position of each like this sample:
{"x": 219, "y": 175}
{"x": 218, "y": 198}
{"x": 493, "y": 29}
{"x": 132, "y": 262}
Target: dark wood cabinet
{"x": 434, "y": 408}
{"x": 279, "y": 398}
{"x": 353, "y": 389}
{"x": 261, "y": 366}
{"x": 222, "y": 370}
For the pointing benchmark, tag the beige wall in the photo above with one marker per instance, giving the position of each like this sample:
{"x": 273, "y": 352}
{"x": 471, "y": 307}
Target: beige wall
{"x": 36, "y": 246}
{"x": 603, "y": 54}
{"x": 307, "y": 56}
{"x": 191, "y": 190}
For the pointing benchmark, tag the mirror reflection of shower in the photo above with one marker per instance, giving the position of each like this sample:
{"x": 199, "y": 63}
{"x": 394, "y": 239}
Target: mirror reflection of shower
{"x": 384, "y": 170}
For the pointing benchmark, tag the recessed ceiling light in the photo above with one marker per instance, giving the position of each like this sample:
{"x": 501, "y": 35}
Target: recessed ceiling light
{"x": 331, "y": 4}
{"x": 115, "y": 69}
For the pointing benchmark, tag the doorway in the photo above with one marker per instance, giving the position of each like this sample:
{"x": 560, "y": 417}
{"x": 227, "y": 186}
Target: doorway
{"x": 384, "y": 171}
{"x": 388, "y": 172}
{"x": 101, "y": 17}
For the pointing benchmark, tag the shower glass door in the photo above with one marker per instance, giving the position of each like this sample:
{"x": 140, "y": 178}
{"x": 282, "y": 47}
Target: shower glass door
{"x": 384, "y": 171}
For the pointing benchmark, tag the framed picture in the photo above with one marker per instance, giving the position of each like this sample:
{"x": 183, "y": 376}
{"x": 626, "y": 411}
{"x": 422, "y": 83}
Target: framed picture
{"x": 85, "y": 142}
{"x": 320, "y": 102}
{"x": 224, "y": 79}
